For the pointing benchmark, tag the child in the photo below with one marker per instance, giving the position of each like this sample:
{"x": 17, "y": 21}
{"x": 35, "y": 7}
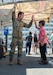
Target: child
{"x": 42, "y": 41}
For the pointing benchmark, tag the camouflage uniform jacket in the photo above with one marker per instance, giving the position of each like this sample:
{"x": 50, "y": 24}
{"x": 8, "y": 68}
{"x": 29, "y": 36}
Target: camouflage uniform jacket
{"x": 18, "y": 26}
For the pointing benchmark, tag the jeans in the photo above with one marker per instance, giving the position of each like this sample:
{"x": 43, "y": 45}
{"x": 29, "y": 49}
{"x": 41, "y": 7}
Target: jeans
{"x": 28, "y": 46}
{"x": 43, "y": 51}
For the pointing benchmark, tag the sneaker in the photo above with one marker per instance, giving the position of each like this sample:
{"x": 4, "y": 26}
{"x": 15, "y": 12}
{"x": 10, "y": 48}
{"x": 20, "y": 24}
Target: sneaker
{"x": 10, "y": 63}
{"x": 43, "y": 62}
{"x": 29, "y": 54}
{"x": 4, "y": 57}
{"x": 19, "y": 63}
{"x": 37, "y": 53}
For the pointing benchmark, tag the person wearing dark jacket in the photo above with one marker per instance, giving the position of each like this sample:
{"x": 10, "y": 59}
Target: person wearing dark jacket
{"x": 28, "y": 42}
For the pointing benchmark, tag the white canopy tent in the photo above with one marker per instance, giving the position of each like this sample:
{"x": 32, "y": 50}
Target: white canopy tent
{"x": 40, "y": 9}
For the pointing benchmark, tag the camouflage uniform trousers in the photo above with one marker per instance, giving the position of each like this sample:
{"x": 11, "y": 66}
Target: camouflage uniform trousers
{"x": 19, "y": 43}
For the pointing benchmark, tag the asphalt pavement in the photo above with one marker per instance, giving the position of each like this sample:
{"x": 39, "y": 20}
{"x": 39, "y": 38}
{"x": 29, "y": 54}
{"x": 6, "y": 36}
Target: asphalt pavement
{"x": 30, "y": 65}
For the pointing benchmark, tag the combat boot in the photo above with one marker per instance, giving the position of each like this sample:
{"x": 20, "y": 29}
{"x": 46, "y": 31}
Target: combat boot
{"x": 10, "y": 63}
{"x": 10, "y": 59}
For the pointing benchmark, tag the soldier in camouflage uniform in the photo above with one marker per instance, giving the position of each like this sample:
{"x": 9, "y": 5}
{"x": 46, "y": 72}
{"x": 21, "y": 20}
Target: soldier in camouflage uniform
{"x": 17, "y": 39}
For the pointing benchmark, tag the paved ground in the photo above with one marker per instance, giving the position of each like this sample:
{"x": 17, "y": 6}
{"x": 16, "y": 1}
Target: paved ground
{"x": 30, "y": 65}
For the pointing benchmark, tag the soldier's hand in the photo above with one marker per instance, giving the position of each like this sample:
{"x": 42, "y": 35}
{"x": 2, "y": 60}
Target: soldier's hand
{"x": 14, "y": 8}
{"x": 13, "y": 13}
